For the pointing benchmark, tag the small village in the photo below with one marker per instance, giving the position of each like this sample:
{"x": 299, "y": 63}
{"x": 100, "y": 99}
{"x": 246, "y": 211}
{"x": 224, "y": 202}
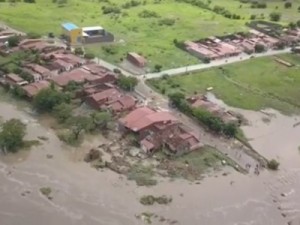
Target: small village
{"x": 54, "y": 65}
{"x": 149, "y": 112}
{"x": 262, "y": 36}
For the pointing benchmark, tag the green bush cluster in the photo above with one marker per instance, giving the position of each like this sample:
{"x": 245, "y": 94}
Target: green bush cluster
{"x": 212, "y": 122}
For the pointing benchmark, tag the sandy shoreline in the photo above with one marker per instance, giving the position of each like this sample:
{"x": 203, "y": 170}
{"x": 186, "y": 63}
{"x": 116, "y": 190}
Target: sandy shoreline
{"x": 82, "y": 195}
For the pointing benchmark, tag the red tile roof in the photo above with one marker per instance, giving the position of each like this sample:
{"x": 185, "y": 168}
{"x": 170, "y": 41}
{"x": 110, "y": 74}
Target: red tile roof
{"x": 111, "y": 93}
{"x": 124, "y": 103}
{"x": 62, "y": 63}
{"x": 96, "y": 69}
{"x": 77, "y": 75}
{"x": 144, "y": 117}
{"x": 140, "y": 59}
{"x": 33, "y": 88}
{"x": 37, "y": 68}
{"x": 14, "y": 77}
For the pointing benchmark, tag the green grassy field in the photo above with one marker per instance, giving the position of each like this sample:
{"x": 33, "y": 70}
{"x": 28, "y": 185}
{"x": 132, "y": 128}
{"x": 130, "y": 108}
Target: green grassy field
{"x": 133, "y": 33}
{"x": 143, "y": 35}
{"x": 254, "y": 84}
{"x": 245, "y": 10}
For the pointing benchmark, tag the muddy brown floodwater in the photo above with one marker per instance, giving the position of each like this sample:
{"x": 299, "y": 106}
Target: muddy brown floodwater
{"x": 83, "y": 195}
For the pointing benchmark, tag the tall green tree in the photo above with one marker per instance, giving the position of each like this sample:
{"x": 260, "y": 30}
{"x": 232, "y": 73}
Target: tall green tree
{"x": 48, "y": 98}
{"x": 127, "y": 83}
{"x": 62, "y": 112}
{"x": 79, "y": 124}
{"x": 101, "y": 119}
{"x": 11, "y": 135}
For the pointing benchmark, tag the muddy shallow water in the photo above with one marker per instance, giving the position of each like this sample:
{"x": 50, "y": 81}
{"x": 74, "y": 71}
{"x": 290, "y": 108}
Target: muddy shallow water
{"x": 82, "y": 195}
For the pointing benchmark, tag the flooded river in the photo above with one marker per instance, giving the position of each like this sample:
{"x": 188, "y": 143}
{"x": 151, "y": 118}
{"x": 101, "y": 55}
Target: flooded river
{"x": 82, "y": 195}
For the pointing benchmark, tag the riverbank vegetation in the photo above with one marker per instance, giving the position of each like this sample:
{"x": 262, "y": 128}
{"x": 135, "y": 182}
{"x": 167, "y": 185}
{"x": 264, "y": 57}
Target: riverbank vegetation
{"x": 273, "y": 164}
{"x": 264, "y": 84}
{"x": 204, "y": 117}
{"x": 150, "y": 200}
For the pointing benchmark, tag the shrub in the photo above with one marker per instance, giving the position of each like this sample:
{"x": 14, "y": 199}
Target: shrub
{"x": 78, "y": 51}
{"x": 89, "y": 56}
{"x": 252, "y": 17}
{"x": 166, "y": 21}
{"x": 110, "y": 49}
{"x": 132, "y": 3}
{"x": 273, "y": 165}
{"x": 142, "y": 175}
{"x": 150, "y": 200}
{"x": 157, "y": 68}
{"x": 275, "y": 16}
{"x": 111, "y": 10}
{"x": 32, "y": 35}
{"x": 287, "y": 5}
{"x": 259, "y": 48}
{"x": 13, "y": 41}
{"x": 127, "y": 83}
{"x": 148, "y": 14}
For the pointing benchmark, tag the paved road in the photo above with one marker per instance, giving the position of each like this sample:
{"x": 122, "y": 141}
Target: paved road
{"x": 215, "y": 63}
{"x": 193, "y": 68}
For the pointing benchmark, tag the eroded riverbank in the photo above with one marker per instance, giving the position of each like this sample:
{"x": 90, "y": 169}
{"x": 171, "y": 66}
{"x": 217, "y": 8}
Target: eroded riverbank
{"x": 83, "y": 195}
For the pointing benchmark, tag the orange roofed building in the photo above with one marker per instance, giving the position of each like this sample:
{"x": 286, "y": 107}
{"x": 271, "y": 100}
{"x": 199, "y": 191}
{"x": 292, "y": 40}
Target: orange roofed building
{"x": 156, "y": 129}
{"x": 111, "y": 99}
{"x": 31, "y": 90}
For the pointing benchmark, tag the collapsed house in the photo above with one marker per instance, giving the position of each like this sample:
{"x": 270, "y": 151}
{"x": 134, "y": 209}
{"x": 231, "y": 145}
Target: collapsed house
{"x": 156, "y": 129}
{"x": 214, "y": 109}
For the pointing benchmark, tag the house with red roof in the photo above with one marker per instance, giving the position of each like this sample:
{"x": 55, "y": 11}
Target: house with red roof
{"x": 31, "y": 90}
{"x": 214, "y": 109}
{"x": 136, "y": 59}
{"x": 37, "y": 71}
{"x": 111, "y": 99}
{"x": 155, "y": 129}
{"x": 14, "y": 80}
{"x": 38, "y": 45}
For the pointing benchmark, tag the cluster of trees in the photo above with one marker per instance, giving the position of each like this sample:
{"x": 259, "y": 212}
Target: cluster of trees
{"x": 90, "y": 123}
{"x": 55, "y": 102}
{"x": 259, "y": 5}
{"x": 293, "y": 25}
{"x": 148, "y": 14}
{"x": 48, "y": 98}
{"x": 132, "y": 3}
{"x": 198, "y": 3}
{"x": 127, "y": 83}
{"x": 224, "y": 12}
{"x": 214, "y": 123}
{"x": 11, "y": 135}
{"x": 217, "y": 9}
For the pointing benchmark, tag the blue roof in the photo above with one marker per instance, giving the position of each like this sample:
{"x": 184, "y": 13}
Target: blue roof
{"x": 69, "y": 26}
